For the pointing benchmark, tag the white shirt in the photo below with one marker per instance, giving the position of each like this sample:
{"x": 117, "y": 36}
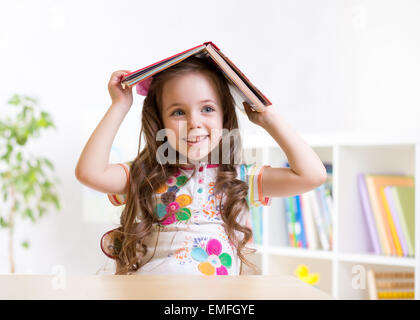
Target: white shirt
{"x": 192, "y": 239}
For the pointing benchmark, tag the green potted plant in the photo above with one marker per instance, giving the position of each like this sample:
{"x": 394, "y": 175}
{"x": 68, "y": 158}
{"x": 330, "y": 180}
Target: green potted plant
{"x": 27, "y": 188}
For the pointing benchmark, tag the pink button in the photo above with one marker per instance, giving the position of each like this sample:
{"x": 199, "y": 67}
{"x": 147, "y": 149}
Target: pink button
{"x": 200, "y": 181}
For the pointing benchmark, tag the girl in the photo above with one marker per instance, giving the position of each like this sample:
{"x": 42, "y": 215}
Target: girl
{"x": 189, "y": 217}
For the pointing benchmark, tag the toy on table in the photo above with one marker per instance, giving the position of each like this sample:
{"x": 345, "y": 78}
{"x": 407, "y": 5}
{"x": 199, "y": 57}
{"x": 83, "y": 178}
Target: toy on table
{"x": 302, "y": 272}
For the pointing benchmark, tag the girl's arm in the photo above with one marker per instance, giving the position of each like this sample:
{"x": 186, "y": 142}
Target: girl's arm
{"x": 92, "y": 168}
{"x": 306, "y": 170}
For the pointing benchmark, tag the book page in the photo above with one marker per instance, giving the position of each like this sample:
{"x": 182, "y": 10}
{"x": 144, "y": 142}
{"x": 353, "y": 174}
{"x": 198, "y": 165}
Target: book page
{"x": 239, "y": 97}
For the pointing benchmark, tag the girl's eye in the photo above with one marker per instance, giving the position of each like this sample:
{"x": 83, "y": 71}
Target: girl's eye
{"x": 174, "y": 113}
{"x": 209, "y": 108}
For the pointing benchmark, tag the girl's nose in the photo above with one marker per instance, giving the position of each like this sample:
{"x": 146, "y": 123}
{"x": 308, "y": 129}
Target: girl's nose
{"x": 194, "y": 120}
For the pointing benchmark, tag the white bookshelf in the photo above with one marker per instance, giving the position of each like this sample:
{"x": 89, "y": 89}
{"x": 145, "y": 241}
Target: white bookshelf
{"x": 341, "y": 269}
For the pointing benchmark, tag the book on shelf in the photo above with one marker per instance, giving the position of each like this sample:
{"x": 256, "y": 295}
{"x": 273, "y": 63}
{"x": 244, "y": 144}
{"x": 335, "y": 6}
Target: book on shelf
{"x": 290, "y": 217}
{"x": 309, "y": 217}
{"x": 309, "y": 224}
{"x": 389, "y": 204}
{"x": 255, "y": 223}
{"x": 240, "y": 86}
{"x": 325, "y": 200}
{"x": 404, "y": 201}
{"x": 299, "y": 228}
{"x": 388, "y": 207}
{"x": 317, "y": 211}
{"x": 330, "y": 208}
{"x": 368, "y": 214}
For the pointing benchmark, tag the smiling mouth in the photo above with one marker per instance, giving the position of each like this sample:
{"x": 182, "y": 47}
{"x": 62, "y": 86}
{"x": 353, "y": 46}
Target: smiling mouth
{"x": 196, "y": 140}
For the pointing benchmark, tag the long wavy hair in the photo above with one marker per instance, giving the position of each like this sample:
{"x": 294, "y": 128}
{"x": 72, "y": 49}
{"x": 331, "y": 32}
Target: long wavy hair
{"x": 147, "y": 174}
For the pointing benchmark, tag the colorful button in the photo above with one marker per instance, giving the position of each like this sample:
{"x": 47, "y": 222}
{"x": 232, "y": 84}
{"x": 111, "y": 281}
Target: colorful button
{"x": 184, "y": 200}
{"x": 162, "y": 189}
{"x": 171, "y": 181}
{"x": 181, "y": 180}
{"x": 160, "y": 210}
{"x": 173, "y": 189}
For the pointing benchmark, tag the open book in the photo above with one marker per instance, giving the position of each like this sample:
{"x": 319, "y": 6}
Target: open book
{"x": 240, "y": 87}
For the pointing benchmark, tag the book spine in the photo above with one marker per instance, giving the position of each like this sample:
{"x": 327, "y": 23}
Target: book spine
{"x": 368, "y": 214}
{"x": 293, "y": 218}
{"x": 318, "y": 221}
{"x": 304, "y": 224}
{"x": 289, "y": 222}
{"x": 325, "y": 211}
{"x": 244, "y": 86}
{"x": 257, "y": 222}
{"x": 242, "y": 76}
{"x": 378, "y": 217}
{"x": 311, "y": 240}
{"x": 320, "y": 201}
{"x": 329, "y": 202}
{"x": 298, "y": 226}
{"x": 410, "y": 245}
{"x": 392, "y": 208}
{"x": 301, "y": 228}
{"x": 385, "y": 220}
{"x": 394, "y": 236}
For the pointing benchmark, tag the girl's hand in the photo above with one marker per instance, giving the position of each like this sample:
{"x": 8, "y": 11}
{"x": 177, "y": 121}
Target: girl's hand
{"x": 259, "y": 118}
{"x": 117, "y": 93}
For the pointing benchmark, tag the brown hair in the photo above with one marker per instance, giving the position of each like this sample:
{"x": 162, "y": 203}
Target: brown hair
{"x": 147, "y": 174}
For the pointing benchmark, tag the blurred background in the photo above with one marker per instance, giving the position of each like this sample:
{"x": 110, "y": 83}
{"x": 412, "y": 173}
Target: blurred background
{"x": 327, "y": 66}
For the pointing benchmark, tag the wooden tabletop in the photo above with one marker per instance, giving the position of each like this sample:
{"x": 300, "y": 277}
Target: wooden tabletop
{"x": 156, "y": 287}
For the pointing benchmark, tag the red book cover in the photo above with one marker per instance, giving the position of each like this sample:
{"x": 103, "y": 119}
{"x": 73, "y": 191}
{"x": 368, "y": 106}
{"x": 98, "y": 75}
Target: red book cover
{"x": 239, "y": 82}
{"x": 161, "y": 61}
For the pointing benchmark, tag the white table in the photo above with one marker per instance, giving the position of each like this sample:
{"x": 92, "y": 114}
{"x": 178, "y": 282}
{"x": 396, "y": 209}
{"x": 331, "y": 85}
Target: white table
{"x": 156, "y": 287}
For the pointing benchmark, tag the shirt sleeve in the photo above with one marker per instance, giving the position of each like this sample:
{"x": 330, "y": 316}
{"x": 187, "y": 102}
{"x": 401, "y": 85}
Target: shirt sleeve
{"x": 120, "y": 199}
{"x": 252, "y": 175}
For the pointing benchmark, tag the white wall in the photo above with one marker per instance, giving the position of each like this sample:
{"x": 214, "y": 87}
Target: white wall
{"x": 327, "y": 66}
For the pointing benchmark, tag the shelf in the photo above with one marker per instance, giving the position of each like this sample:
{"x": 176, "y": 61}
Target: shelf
{"x": 345, "y": 257}
{"x": 376, "y": 259}
{"x": 349, "y": 155}
{"x": 299, "y": 252}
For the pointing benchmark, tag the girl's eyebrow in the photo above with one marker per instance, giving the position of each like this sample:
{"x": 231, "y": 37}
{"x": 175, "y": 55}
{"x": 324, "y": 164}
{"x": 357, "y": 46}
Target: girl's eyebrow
{"x": 181, "y": 104}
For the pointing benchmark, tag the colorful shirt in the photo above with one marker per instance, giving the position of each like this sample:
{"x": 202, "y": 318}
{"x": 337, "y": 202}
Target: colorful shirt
{"x": 192, "y": 239}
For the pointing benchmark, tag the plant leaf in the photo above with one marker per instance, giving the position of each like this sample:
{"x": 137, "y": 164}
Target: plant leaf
{"x": 25, "y": 244}
{"x": 3, "y": 223}
{"x": 15, "y": 100}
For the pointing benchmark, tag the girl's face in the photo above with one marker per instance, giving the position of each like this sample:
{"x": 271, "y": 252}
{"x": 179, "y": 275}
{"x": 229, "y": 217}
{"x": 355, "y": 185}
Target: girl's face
{"x": 193, "y": 115}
